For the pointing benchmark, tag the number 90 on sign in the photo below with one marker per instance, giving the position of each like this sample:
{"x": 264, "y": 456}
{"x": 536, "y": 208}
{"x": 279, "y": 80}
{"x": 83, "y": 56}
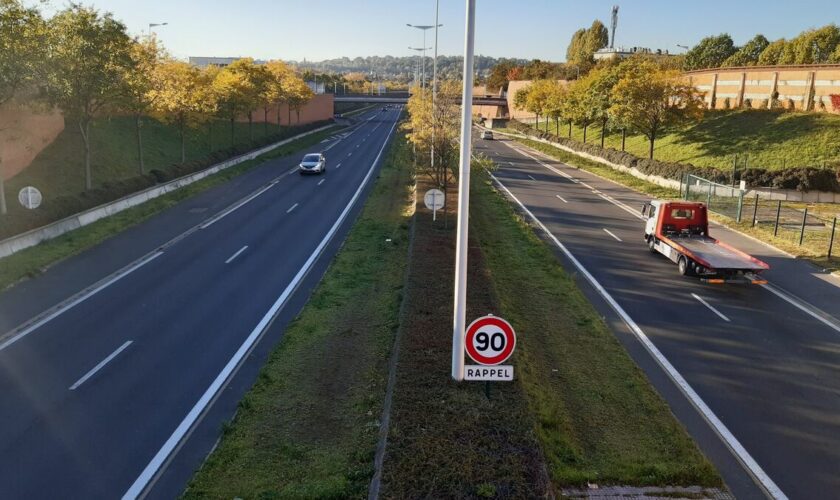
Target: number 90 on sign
{"x": 490, "y": 340}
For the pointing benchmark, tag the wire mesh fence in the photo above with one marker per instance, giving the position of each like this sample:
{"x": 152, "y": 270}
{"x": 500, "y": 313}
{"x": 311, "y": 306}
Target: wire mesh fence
{"x": 786, "y": 221}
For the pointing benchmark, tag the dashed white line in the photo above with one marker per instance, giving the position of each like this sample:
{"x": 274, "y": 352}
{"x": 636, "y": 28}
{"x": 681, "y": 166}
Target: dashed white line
{"x": 611, "y": 234}
{"x": 531, "y": 177}
{"x": 101, "y": 364}
{"x": 562, "y": 199}
{"x": 338, "y": 165}
{"x": 711, "y": 307}
{"x": 804, "y": 307}
{"x": 321, "y": 181}
{"x": 292, "y": 208}
{"x": 230, "y": 259}
{"x": 720, "y": 428}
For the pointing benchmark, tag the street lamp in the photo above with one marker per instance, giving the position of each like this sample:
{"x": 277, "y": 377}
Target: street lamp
{"x": 683, "y": 46}
{"x": 417, "y": 72}
{"x": 153, "y": 25}
{"x": 423, "y": 28}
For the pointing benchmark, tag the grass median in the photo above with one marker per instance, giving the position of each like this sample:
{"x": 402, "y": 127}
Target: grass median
{"x": 35, "y": 260}
{"x": 309, "y": 426}
{"x": 813, "y": 249}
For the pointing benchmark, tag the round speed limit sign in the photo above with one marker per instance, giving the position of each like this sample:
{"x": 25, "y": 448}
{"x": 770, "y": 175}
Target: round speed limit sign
{"x": 490, "y": 340}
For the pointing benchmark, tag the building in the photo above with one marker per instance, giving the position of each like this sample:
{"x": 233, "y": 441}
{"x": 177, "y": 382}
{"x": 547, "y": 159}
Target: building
{"x": 621, "y": 53}
{"x": 219, "y": 62}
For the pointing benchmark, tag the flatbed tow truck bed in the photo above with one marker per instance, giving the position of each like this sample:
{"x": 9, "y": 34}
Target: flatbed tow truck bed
{"x": 718, "y": 255}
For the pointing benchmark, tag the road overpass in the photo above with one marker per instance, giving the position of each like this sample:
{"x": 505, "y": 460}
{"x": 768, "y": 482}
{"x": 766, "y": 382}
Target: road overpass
{"x": 402, "y": 98}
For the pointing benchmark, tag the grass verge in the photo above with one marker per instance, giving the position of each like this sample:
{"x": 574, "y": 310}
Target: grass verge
{"x": 813, "y": 249}
{"x": 308, "y": 428}
{"x": 33, "y": 261}
{"x": 596, "y": 416}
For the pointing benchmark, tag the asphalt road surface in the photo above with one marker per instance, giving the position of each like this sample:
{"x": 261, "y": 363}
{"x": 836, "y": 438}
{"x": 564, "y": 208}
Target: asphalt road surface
{"x": 752, "y": 371}
{"x": 121, "y": 391}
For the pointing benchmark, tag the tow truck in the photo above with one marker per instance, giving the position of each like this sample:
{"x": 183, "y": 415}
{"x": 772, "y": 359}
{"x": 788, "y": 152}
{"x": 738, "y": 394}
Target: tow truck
{"x": 679, "y": 230}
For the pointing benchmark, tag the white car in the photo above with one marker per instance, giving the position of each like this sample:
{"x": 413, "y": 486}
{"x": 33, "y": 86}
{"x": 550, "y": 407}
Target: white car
{"x": 487, "y": 135}
{"x": 313, "y": 163}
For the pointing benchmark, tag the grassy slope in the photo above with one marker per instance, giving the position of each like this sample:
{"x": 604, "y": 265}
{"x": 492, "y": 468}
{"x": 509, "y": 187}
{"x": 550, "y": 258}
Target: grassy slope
{"x": 770, "y": 139}
{"x": 308, "y": 427}
{"x": 59, "y": 168}
{"x": 34, "y": 260}
{"x": 597, "y": 417}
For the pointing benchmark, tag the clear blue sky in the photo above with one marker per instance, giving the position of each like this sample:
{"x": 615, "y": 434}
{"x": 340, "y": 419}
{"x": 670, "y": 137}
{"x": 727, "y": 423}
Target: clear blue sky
{"x": 320, "y": 29}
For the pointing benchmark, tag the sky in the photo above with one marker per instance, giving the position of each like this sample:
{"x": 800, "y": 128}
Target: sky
{"x": 528, "y": 29}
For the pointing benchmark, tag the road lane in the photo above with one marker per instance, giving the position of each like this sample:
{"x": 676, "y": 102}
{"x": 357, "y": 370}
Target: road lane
{"x": 186, "y": 313}
{"x": 770, "y": 374}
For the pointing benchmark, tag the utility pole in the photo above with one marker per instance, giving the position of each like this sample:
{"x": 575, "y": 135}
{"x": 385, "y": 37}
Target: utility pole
{"x": 461, "y": 244}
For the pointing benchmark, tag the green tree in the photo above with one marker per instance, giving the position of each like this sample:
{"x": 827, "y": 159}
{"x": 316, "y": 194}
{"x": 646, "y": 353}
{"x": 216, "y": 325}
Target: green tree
{"x": 537, "y": 99}
{"x": 541, "y": 70}
{"x": 599, "y": 84}
{"x": 584, "y": 44}
{"x": 597, "y": 37}
{"x": 298, "y": 93}
{"x": 772, "y": 54}
{"x": 835, "y": 56}
{"x": 576, "y": 47}
{"x": 182, "y": 97}
{"x": 749, "y": 54}
{"x": 279, "y": 72}
{"x": 651, "y": 99}
{"x": 88, "y": 57}
{"x": 22, "y": 41}
{"x": 140, "y": 81}
{"x": 498, "y": 78}
{"x": 236, "y": 96}
{"x": 711, "y": 52}
{"x": 816, "y": 46}
{"x": 254, "y": 78}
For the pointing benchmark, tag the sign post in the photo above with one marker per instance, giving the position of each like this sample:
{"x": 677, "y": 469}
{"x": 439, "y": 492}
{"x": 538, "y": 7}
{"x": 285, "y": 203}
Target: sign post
{"x": 434, "y": 201}
{"x": 489, "y": 341}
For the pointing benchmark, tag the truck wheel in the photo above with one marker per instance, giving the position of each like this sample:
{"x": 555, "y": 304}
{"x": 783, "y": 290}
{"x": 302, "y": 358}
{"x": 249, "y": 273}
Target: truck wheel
{"x": 682, "y": 266}
{"x": 652, "y": 244}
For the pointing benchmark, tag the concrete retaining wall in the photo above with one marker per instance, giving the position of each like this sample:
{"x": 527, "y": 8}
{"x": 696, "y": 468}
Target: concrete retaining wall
{"x": 763, "y": 193}
{"x": 31, "y": 238}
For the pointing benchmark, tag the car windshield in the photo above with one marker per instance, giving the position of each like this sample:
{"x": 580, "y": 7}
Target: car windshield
{"x": 311, "y": 158}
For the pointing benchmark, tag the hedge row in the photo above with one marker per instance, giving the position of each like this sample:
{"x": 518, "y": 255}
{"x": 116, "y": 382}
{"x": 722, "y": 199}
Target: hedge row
{"x": 20, "y": 220}
{"x": 798, "y": 178}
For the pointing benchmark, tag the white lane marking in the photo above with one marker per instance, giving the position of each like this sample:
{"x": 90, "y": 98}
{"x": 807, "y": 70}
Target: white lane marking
{"x": 532, "y": 178}
{"x": 611, "y": 234}
{"x": 241, "y": 203}
{"x": 321, "y": 181}
{"x": 711, "y": 307}
{"x": 230, "y": 259}
{"x": 802, "y": 306}
{"x": 151, "y": 470}
{"x": 100, "y": 365}
{"x": 562, "y": 199}
{"x": 511, "y": 164}
{"x": 292, "y": 208}
{"x": 86, "y": 295}
{"x": 338, "y": 165}
{"x": 720, "y": 429}
{"x": 623, "y": 206}
{"x": 350, "y": 153}
{"x": 357, "y": 145}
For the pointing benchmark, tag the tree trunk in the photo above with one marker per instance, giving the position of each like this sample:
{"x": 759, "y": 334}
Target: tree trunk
{"x": 265, "y": 121}
{"x": 84, "y": 128}
{"x": 139, "y": 124}
{"x": 3, "y": 209}
{"x": 585, "y": 126}
{"x": 278, "y": 117}
{"x": 250, "y": 126}
{"x": 652, "y": 139}
{"x": 623, "y": 137}
{"x": 570, "y": 129}
{"x": 297, "y": 113}
{"x": 183, "y": 148}
{"x": 289, "y": 111}
{"x": 232, "y": 133}
{"x": 557, "y": 126}
{"x": 603, "y": 132}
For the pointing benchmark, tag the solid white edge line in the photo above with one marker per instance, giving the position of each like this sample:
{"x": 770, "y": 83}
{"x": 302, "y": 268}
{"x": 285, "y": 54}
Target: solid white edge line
{"x": 292, "y": 208}
{"x": 230, "y": 259}
{"x": 711, "y": 307}
{"x": 66, "y": 307}
{"x": 802, "y": 307}
{"x": 611, "y": 234}
{"x": 752, "y": 467}
{"x": 101, "y": 364}
{"x": 321, "y": 181}
{"x": 151, "y": 469}
{"x": 562, "y": 199}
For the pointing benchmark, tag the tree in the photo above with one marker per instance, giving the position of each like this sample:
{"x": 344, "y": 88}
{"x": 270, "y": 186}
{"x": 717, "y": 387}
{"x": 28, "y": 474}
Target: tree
{"x": 536, "y": 99}
{"x": 22, "y": 37}
{"x": 88, "y": 57}
{"x": 711, "y": 52}
{"x": 772, "y": 54}
{"x": 498, "y": 78}
{"x": 554, "y": 105}
{"x": 280, "y": 72}
{"x": 541, "y": 70}
{"x": 253, "y": 79}
{"x": 597, "y": 37}
{"x": 816, "y": 46}
{"x": 182, "y": 98}
{"x": 599, "y": 84}
{"x": 298, "y": 93}
{"x": 580, "y": 108}
{"x": 584, "y": 44}
{"x": 749, "y": 54}
{"x": 140, "y": 83}
{"x": 576, "y": 49}
{"x": 650, "y": 99}
{"x": 236, "y": 96}
{"x": 835, "y": 56}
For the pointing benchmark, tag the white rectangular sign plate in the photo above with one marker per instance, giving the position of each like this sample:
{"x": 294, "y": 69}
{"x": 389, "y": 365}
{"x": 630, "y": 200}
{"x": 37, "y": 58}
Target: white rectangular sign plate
{"x": 490, "y": 373}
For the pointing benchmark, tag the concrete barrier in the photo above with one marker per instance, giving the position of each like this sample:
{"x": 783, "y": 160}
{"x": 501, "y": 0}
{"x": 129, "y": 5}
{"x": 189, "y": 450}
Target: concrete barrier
{"x": 31, "y": 238}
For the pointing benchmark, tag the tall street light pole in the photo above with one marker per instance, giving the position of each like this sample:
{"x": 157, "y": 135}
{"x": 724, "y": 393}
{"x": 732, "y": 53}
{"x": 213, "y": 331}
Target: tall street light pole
{"x": 461, "y": 244}
{"x": 419, "y": 50}
{"x": 153, "y": 25}
{"x": 423, "y": 28}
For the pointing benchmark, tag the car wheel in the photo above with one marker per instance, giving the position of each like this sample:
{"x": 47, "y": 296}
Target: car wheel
{"x": 652, "y": 244}
{"x": 682, "y": 266}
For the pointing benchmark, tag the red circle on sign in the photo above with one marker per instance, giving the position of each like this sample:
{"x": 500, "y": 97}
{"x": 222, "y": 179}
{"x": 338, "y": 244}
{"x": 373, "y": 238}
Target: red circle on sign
{"x": 476, "y": 327}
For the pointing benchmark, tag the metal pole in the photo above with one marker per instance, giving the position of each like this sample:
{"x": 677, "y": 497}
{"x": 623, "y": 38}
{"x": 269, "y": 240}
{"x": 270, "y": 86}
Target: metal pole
{"x": 802, "y": 229}
{"x": 831, "y": 241}
{"x": 423, "y": 81}
{"x": 461, "y": 245}
{"x": 434, "y": 87}
{"x": 755, "y": 210}
{"x": 778, "y": 211}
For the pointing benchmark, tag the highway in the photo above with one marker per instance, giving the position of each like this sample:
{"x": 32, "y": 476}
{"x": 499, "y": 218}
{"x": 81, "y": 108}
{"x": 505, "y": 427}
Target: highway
{"x": 119, "y": 365}
{"x": 752, "y": 371}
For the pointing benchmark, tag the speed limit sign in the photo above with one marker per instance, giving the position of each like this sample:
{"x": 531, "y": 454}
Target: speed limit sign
{"x": 489, "y": 341}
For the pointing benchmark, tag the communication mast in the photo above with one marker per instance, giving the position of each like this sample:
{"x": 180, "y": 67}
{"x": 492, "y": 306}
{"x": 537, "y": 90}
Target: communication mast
{"x": 614, "y": 24}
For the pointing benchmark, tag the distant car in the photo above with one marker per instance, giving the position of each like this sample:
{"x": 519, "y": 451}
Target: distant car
{"x": 487, "y": 135}
{"x": 313, "y": 163}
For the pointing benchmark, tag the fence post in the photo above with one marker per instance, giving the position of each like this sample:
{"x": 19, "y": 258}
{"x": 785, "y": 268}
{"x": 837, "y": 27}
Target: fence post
{"x": 755, "y": 210}
{"x": 778, "y": 211}
{"x": 802, "y": 230}
{"x": 687, "y": 178}
{"x": 831, "y": 241}
{"x": 734, "y": 169}
{"x": 740, "y": 205}
{"x": 709, "y": 197}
